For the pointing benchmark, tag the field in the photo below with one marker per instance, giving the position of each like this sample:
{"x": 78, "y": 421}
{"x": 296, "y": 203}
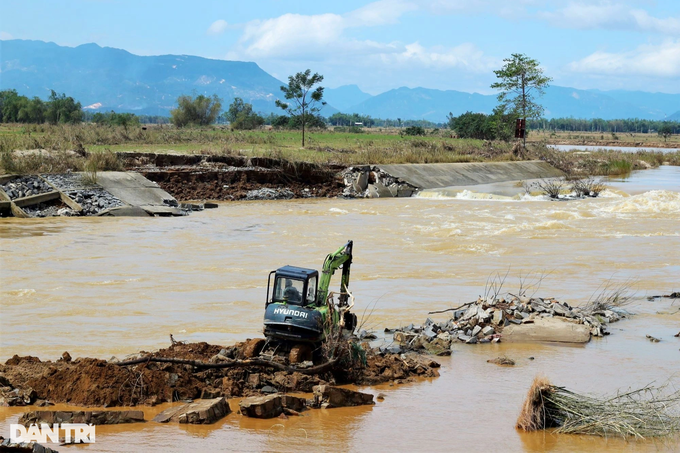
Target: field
{"x": 375, "y": 146}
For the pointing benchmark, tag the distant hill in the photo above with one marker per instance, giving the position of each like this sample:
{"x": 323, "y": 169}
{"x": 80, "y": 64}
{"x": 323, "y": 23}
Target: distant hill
{"x": 423, "y": 103}
{"x": 434, "y": 105}
{"x": 344, "y": 97}
{"x": 114, "y": 79}
{"x": 675, "y": 116}
{"x": 104, "y": 78}
{"x": 659, "y": 104}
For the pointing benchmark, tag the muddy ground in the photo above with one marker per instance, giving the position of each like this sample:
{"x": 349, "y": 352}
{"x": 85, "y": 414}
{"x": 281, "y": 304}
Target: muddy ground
{"x": 95, "y": 382}
{"x": 227, "y": 177}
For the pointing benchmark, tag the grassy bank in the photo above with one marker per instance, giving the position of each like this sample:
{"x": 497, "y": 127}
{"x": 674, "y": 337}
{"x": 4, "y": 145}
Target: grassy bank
{"x": 323, "y": 147}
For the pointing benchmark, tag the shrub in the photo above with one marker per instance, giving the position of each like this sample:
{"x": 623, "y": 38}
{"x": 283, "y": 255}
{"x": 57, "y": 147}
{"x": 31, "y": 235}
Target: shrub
{"x": 413, "y": 131}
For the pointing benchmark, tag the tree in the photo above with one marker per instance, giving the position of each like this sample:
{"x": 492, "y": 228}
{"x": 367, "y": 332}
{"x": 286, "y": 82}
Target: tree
{"x": 199, "y": 111}
{"x": 124, "y": 119}
{"x": 666, "y": 130}
{"x": 241, "y": 116}
{"x": 305, "y": 98}
{"x": 62, "y": 109}
{"x": 520, "y": 82}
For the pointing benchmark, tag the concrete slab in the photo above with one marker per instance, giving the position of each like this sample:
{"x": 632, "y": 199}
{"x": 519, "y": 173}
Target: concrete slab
{"x": 547, "y": 330}
{"x": 133, "y": 188}
{"x": 433, "y": 176}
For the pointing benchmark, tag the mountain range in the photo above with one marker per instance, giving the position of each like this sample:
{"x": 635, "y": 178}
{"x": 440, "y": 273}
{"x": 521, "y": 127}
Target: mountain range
{"x": 105, "y": 78}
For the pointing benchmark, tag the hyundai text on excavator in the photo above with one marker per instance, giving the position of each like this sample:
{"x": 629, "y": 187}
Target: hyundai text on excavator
{"x": 300, "y": 311}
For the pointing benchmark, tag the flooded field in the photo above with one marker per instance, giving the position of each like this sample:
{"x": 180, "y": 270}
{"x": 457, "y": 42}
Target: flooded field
{"x": 102, "y": 287}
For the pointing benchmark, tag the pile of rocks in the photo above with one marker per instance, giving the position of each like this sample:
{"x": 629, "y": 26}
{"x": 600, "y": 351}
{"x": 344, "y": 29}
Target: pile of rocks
{"x": 49, "y": 209}
{"x": 270, "y": 194}
{"x": 25, "y": 186}
{"x": 65, "y": 181}
{"x": 368, "y": 181}
{"x": 483, "y": 321}
{"x": 95, "y": 200}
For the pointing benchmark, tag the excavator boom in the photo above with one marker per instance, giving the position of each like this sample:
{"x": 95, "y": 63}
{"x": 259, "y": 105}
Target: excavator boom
{"x": 341, "y": 257}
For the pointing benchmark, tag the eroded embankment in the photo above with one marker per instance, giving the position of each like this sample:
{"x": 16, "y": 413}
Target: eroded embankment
{"x": 95, "y": 382}
{"x": 225, "y": 178}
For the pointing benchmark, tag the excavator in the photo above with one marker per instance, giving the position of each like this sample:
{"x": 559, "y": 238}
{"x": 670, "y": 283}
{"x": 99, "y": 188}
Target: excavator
{"x": 300, "y": 311}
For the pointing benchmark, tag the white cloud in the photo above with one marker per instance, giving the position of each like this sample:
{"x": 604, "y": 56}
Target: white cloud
{"x": 465, "y": 56}
{"x": 379, "y": 13}
{"x": 290, "y": 34}
{"x": 648, "y": 60}
{"x": 218, "y": 27}
{"x": 323, "y": 37}
{"x": 5, "y": 35}
{"x": 610, "y": 16}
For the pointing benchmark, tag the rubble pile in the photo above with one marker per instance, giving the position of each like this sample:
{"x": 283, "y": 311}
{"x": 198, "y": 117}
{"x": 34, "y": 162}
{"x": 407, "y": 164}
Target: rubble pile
{"x": 25, "y": 186}
{"x": 369, "y": 181}
{"x": 94, "y": 200}
{"x": 270, "y": 194}
{"x": 483, "y": 321}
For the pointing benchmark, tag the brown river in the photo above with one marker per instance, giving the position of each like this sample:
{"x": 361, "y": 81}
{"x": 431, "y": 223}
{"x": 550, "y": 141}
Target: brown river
{"x": 103, "y": 287}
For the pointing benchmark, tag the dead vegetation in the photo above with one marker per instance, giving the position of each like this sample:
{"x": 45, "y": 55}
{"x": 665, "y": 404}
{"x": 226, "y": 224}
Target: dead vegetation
{"x": 610, "y": 296}
{"x": 587, "y": 187}
{"x": 646, "y": 412}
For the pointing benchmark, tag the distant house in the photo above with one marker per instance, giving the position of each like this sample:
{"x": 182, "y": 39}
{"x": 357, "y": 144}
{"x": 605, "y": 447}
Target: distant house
{"x": 358, "y": 124}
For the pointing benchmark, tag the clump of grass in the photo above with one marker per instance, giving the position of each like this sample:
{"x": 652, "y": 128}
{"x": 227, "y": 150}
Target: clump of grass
{"x": 646, "y": 412}
{"x": 101, "y": 161}
{"x": 619, "y": 167}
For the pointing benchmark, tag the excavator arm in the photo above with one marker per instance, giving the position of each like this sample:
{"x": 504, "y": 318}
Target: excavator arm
{"x": 341, "y": 257}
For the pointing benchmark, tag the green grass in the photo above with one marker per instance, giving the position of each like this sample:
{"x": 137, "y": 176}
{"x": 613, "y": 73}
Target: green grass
{"x": 373, "y": 146}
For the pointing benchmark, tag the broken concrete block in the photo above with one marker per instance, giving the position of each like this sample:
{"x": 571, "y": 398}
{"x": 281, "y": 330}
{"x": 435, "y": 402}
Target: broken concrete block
{"x": 269, "y": 406}
{"x": 330, "y": 397}
{"x": 488, "y": 330}
{"x": 294, "y": 403}
{"x": 547, "y": 329}
{"x": 88, "y": 417}
{"x": 199, "y": 412}
{"x": 477, "y": 329}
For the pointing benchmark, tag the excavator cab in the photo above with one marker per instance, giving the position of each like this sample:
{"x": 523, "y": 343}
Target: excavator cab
{"x": 293, "y": 286}
{"x": 291, "y": 311}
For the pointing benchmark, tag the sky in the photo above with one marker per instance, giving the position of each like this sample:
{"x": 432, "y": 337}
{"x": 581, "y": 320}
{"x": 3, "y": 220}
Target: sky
{"x": 385, "y": 44}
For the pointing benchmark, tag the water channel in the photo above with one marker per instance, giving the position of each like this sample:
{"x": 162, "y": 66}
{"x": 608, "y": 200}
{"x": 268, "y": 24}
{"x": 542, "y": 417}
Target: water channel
{"x": 113, "y": 286}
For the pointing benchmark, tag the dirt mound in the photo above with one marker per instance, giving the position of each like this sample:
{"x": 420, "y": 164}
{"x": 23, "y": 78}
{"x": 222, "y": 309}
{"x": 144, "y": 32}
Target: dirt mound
{"x": 94, "y": 382}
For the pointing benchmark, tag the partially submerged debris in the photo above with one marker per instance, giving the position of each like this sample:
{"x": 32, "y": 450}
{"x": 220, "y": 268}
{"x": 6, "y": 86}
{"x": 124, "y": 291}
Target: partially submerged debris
{"x": 504, "y": 361}
{"x": 88, "y": 417}
{"x": 484, "y": 321}
{"x": 641, "y": 413}
{"x": 202, "y": 412}
{"x": 653, "y": 339}
{"x": 271, "y": 406}
{"x": 326, "y": 396}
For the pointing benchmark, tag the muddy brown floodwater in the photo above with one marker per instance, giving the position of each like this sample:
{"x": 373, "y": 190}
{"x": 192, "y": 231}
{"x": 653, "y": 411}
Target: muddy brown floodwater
{"x": 113, "y": 286}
